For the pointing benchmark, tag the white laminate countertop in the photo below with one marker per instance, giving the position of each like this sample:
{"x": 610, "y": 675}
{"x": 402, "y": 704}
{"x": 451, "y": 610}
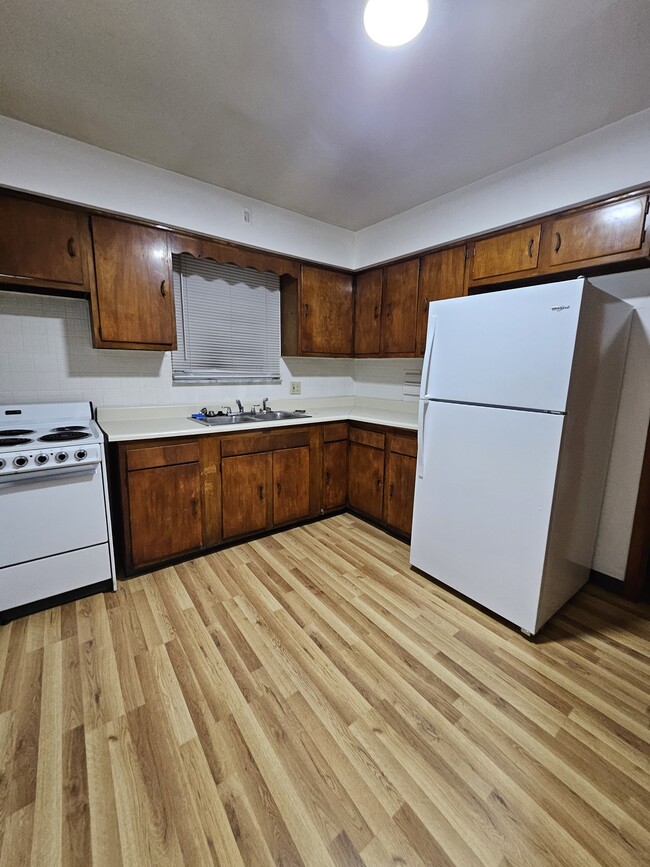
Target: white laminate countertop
{"x": 122, "y": 424}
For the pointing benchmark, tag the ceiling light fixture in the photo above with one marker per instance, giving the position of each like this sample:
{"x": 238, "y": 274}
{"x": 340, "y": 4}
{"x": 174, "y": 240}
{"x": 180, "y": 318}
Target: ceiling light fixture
{"x": 395, "y": 22}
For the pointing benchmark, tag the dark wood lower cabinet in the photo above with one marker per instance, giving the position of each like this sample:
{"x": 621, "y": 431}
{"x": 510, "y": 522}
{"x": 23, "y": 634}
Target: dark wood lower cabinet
{"x": 335, "y": 475}
{"x": 290, "y": 485}
{"x": 165, "y": 512}
{"x": 400, "y": 489}
{"x": 245, "y": 483}
{"x": 366, "y": 479}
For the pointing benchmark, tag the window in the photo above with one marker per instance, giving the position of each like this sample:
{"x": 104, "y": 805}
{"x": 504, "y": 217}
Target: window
{"x": 227, "y": 323}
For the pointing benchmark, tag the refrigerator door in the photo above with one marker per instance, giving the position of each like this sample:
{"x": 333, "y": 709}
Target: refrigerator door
{"x": 510, "y": 348}
{"x": 483, "y": 498}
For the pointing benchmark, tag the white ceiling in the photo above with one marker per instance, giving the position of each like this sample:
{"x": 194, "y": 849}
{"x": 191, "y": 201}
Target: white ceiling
{"x": 287, "y": 101}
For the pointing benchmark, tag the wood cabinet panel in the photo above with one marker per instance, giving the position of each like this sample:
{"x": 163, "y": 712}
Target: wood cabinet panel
{"x": 400, "y": 490}
{"x": 508, "y": 253}
{"x": 133, "y": 304}
{"x": 326, "y": 312}
{"x": 43, "y": 245}
{"x": 290, "y": 485}
{"x": 372, "y": 438}
{"x": 335, "y": 475}
{"x": 367, "y": 312}
{"x": 606, "y": 231}
{"x": 399, "y": 308}
{"x": 442, "y": 275}
{"x": 366, "y": 479}
{"x": 245, "y": 486}
{"x": 164, "y": 512}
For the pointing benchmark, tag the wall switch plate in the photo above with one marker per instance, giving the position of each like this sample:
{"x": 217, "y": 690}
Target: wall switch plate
{"x": 248, "y": 216}
{"x": 294, "y": 388}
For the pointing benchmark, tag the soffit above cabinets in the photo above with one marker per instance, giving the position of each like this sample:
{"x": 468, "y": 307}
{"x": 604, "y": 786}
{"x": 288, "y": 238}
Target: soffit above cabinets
{"x": 290, "y": 103}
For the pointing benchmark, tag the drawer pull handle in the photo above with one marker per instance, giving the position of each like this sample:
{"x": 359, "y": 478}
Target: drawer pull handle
{"x": 195, "y": 507}
{"x": 163, "y": 288}
{"x": 376, "y": 312}
{"x": 558, "y": 242}
{"x": 391, "y": 491}
{"x": 306, "y": 309}
{"x": 72, "y": 250}
{"x": 279, "y": 488}
{"x": 531, "y": 244}
{"x": 260, "y": 491}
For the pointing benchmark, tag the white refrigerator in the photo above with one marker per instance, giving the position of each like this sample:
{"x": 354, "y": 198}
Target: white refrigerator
{"x": 517, "y": 410}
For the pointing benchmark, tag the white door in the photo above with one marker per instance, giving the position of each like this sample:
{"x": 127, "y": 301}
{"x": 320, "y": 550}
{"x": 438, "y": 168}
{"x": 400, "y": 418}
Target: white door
{"x": 483, "y": 498}
{"x": 511, "y": 348}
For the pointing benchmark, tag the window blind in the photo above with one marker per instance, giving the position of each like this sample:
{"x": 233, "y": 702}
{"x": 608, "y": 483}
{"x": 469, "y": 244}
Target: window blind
{"x": 227, "y": 322}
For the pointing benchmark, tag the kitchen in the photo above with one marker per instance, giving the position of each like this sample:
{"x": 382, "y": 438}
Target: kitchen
{"x": 58, "y": 362}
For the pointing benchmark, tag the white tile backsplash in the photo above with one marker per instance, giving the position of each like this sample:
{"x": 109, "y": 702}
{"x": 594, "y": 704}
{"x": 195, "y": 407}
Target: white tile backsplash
{"x": 46, "y": 355}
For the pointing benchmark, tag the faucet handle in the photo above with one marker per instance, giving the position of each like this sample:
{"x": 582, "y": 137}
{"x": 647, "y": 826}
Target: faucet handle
{"x": 228, "y": 410}
{"x": 254, "y": 408}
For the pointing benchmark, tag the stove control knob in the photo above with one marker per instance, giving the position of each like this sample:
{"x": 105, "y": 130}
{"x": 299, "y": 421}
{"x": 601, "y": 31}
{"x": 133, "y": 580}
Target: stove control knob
{"x": 80, "y": 455}
{"x": 60, "y": 457}
{"x": 42, "y": 459}
{"x": 3, "y": 463}
{"x": 20, "y": 461}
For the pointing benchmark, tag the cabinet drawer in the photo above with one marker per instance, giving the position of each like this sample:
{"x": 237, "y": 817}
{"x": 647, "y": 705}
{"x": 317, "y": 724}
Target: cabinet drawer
{"x": 404, "y": 445}
{"x": 607, "y": 231}
{"x": 506, "y": 254}
{"x": 367, "y": 437}
{"x": 162, "y": 456}
{"x": 334, "y": 432}
{"x": 263, "y": 441}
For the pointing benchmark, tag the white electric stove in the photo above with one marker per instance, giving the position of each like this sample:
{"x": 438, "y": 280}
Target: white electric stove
{"x": 55, "y": 532}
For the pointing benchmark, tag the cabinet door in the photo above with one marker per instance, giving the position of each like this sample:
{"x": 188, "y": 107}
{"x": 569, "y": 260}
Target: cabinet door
{"x": 42, "y": 245}
{"x": 134, "y": 302}
{"x": 399, "y": 308}
{"x": 366, "y": 479}
{"x": 442, "y": 275}
{"x": 164, "y": 512}
{"x": 367, "y": 312}
{"x": 400, "y": 479}
{"x": 326, "y": 312}
{"x": 606, "y": 231}
{"x": 290, "y": 485}
{"x": 245, "y": 481}
{"x": 335, "y": 475}
{"x": 506, "y": 254}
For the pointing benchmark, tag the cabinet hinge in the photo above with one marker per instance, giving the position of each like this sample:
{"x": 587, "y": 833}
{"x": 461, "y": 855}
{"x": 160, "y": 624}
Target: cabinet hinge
{"x": 466, "y": 252}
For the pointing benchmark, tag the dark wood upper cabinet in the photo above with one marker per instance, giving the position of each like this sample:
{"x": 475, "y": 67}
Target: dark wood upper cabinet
{"x": 442, "y": 275}
{"x": 325, "y": 312}
{"x": 43, "y": 245}
{"x": 399, "y": 308}
{"x": 612, "y": 230}
{"x": 367, "y": 312}
{"x": 133, "y": 304}
{"x": 506, "y": 254}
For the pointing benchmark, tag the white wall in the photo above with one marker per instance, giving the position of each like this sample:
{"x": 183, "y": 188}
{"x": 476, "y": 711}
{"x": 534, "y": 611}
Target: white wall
{"x": 626, "y": 459}
{"x": 46, "y": 355}
{"x": 611, "y": 159}
{"x": 49, "y": 164}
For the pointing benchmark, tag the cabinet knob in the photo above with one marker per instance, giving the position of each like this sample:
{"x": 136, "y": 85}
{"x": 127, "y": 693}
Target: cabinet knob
{"x": 260, "y": 491}
{"x": 195, "y": 507}
{"x": 327, "y": 475}
{"x": 558, "y": 242}
{"x": 391, "y": 491}
{"x": 306, "y": 308}
{"x": 278, "y": 488}
{"x": 376, "y": 311}
{"x": 163, "y": 288}
{"x": 531, "y": 244}
{"x": 72, "y": 250}
{"x": 378, "y": 484}
{"x": 389, "y": 310}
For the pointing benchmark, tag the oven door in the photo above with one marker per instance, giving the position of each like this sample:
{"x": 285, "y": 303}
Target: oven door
{"x": 51, "y": 512}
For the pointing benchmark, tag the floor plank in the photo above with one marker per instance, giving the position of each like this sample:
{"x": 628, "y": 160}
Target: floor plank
{"x": 306, "y": 699}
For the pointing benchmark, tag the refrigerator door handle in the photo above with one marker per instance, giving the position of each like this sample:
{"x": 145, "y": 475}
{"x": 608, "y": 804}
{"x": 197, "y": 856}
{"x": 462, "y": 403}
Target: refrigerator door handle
{"x": 426, "y": 364}
{"x": 424, "y": 406}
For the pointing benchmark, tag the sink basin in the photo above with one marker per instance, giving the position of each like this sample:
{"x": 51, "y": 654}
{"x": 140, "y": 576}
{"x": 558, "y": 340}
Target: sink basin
{"x": 247, "y": 417}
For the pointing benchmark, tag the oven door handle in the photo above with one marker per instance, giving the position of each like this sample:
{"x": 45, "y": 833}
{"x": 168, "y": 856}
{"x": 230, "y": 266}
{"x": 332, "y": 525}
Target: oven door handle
{"x": 55, "y": 473}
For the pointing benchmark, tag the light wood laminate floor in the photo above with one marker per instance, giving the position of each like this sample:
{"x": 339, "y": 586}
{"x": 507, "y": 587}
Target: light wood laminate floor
{"x": 307, "y": 699}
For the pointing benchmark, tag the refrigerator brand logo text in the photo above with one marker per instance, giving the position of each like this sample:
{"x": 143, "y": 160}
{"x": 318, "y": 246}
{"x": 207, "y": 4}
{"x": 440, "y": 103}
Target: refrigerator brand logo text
{"x": 561, "y": 307}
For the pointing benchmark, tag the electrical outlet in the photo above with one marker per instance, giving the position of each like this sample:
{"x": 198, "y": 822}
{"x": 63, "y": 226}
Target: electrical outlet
{"x": 294, "y": 388}
{"x": 248, "y": 216}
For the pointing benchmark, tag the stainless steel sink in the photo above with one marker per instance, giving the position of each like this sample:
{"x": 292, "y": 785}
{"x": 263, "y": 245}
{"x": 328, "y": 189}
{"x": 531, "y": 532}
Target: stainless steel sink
{"x": 247, "y": 417}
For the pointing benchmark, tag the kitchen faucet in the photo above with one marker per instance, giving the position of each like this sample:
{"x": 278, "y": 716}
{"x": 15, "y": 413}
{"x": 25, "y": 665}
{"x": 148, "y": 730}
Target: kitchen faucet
{"x": 240, "y": 405}
{"x": 265, "y": 405}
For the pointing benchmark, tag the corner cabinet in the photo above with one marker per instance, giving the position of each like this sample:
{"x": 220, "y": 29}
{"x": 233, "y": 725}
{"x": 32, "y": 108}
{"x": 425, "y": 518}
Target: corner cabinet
{"x": 385, "y": 316}
{"x": 442, "y": 275}
{"x": 44, "y": 246}
{"x": 317, "y": 313}
{"x": 132, "y": 303}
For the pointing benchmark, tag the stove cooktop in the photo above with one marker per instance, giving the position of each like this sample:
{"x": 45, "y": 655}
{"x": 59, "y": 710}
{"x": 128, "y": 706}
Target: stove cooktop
{"x": 28, "y": 425}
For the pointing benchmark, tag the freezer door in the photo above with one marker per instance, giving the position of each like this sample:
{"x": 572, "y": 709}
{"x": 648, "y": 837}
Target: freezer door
{"x": 483, "y": 498}
{"x": 510, "y": 348}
